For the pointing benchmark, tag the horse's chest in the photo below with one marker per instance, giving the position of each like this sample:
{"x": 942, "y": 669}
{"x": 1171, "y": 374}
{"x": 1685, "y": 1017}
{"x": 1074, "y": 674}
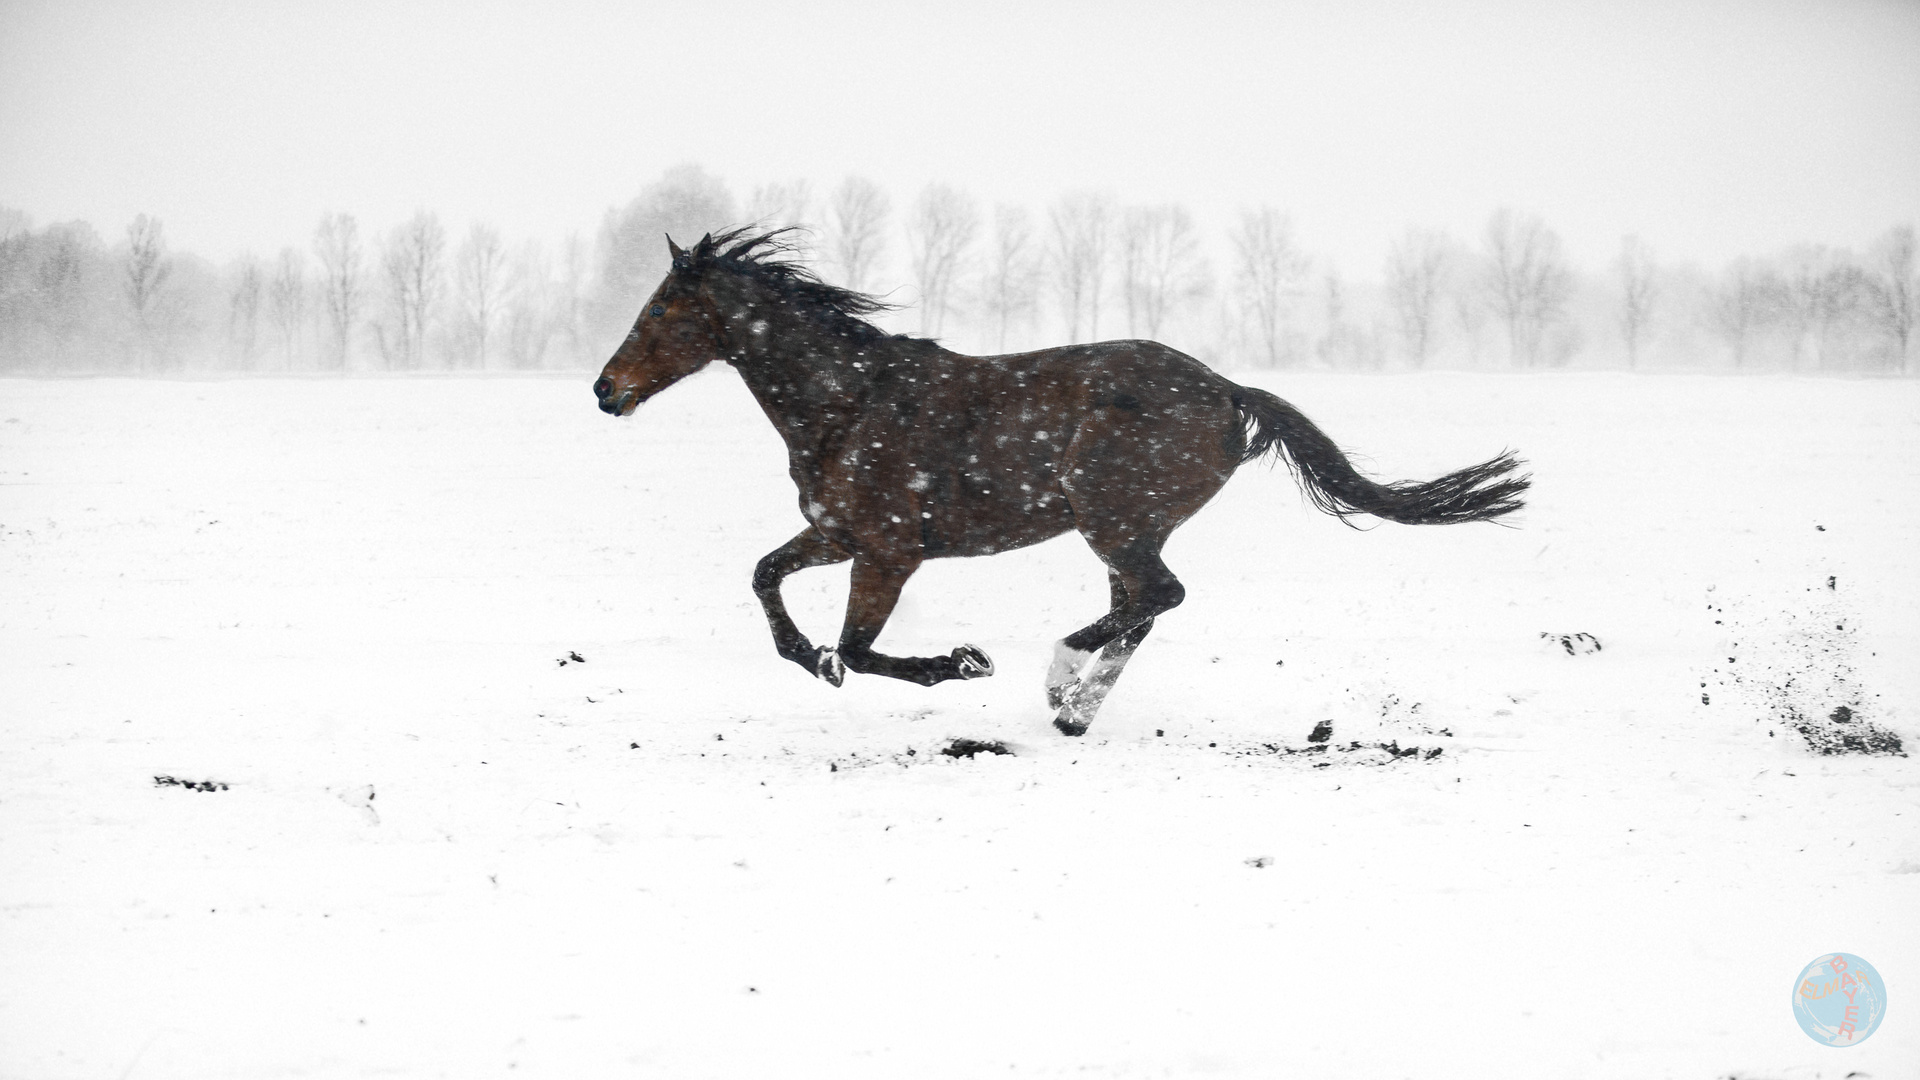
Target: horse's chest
{"x": 858, "y": 483}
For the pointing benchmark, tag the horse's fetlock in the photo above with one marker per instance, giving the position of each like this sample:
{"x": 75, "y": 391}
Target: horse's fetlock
{"x": 860, "y": 659}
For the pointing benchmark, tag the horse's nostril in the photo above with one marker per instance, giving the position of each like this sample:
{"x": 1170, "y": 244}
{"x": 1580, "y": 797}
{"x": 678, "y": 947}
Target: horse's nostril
{"x": 601, "y": 387}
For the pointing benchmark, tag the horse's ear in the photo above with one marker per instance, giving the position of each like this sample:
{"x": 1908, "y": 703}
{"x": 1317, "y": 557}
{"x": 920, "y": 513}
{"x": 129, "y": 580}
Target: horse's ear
{"x": 705, "y": 247}
{"x": 679, "y": 254}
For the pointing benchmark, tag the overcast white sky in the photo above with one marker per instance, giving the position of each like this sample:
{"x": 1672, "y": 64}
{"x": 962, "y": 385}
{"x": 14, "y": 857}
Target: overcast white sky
{"x": 1712, "y": 129}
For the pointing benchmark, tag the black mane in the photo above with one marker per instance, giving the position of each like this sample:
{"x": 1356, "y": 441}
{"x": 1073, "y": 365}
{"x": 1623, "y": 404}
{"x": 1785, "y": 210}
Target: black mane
{"x": 770, "y": 260}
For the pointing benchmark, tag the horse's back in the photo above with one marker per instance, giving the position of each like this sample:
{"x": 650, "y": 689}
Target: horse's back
{"x": 1150, "y": 433}
{"x": 1127, "y": 364}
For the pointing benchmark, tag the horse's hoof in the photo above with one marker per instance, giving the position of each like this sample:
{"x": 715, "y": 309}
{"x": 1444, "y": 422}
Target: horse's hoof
{"x": 972, "y": 662}
{"x": 828, "y": 668}
{"x": 1067, "y": 726}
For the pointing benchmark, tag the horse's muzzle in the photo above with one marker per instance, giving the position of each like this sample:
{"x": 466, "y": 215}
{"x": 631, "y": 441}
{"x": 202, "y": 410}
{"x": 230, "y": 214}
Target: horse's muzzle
{"x": 614, "y": 404}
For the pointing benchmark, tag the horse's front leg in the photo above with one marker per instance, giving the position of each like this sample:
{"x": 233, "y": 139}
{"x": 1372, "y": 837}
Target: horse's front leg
{"x": 809, "y": 549}
{"x": 877, "y": 582}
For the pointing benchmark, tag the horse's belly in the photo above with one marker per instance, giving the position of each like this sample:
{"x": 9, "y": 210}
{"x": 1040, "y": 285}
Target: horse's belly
{"x": 983, "y": 525}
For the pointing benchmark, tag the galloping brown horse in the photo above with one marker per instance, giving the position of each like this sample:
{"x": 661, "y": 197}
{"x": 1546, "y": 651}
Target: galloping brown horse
{"x": 904, "y": 451}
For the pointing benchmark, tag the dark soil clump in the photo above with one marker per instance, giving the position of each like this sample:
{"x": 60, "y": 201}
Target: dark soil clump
{"x": 1391, "y": 747}
{"x": 970, "y": 747}
{"x": 1574, "y": 644}
{"x": 190, "y": 785}
{"x": 1843, "y": 733}
{"x": 1794, "y": 669}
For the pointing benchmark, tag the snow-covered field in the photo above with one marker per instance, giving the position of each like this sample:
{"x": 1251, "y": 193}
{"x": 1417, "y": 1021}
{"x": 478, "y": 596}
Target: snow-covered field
{"x": 434, "y": 850}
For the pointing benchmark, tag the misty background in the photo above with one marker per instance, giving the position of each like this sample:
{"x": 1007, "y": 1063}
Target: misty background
{"x": 198, "y": 187}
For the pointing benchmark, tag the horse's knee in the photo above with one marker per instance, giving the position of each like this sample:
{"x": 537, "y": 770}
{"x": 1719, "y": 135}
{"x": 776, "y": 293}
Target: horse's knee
{"x": 767, "y": 576}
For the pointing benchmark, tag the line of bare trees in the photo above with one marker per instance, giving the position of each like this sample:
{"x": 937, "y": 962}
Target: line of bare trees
{"x": 1512, "y": 299}
{"x": 1811, "y": 308}
{"x": 987, "y": 280}
{"x": 408, "y": 301}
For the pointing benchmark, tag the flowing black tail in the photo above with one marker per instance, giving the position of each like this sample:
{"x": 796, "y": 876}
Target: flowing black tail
{"x": 1477, "y": 493}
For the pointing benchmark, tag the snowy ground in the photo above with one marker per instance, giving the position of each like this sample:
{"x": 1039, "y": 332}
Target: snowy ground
{"x": 440, "y": 852}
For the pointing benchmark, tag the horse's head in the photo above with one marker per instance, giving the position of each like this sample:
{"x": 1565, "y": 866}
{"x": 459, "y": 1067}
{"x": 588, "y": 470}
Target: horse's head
{"x": 676, "y": 335}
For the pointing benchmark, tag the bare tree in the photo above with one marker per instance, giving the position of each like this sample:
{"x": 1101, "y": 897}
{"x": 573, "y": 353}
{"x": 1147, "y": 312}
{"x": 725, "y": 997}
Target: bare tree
{"x": 1271, "y": 273}
{"x": 1803, "y": 281}
{"x": 943, "y": 227}
{"x": 61, "y": 285}
{"x": 1829, "y": 298}
{"x": 1082, "y": 231}
{"x": 787, "y": 205}
{"x": 16, "y": 284}
{"x": 1333, "y": 346}
{"x": 1527, "y": 281}
{"x": 147, "y": 269}
{"x": 1347, "y": 345}
{"x": 570, "y": 298}
{"x": 856, "y": 230}
{"x": 245, "y": 285}
{"x": 14, "y": 224}
{"x": 287, "y": 301}
{"x": 1470, "y": 314}
{"x": 1748, "y": 299}
{"x": 1846, "y": 301}
{"x": 411, "y": 264}
{"x": 527, "y": 321}
{"x": 1417, "y": 270}
{"x": 685, "y": 203}
{"x": 480, "y": 270}
{"x": 1638, "y": 291}
{"x": 1897, "y": 290}
{"x": 1160, "y": 265}
{"x": 336, "y": 243}
{"x": 1135, "y": 228}
{"x": 1013, "y": 271}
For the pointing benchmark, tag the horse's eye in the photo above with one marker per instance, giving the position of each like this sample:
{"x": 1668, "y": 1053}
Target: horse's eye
{"x": 657, "y": 311}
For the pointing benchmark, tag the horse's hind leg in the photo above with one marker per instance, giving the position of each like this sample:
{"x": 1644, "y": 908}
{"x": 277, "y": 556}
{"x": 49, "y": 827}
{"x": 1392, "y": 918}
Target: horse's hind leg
{"x": 1078, "y": 706}
{"x": 876, "y": 589}
{"x": 1063, "y": 675}
{"x": 1142, "y": 587}
{"x": 807, "y": 550}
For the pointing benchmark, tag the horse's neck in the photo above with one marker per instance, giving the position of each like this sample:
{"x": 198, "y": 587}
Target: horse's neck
{"x": 811, "y": 389}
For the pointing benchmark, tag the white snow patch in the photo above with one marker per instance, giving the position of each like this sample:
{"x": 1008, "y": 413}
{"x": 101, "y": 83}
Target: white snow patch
{"x": 682, "y": 856}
